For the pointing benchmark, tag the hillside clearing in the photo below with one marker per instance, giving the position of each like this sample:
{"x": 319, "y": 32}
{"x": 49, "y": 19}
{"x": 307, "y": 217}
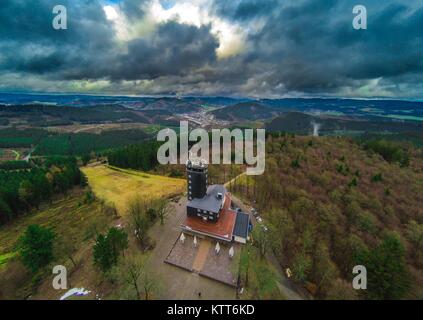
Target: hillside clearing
{"x": 117, "y": 186}
{"x": 72, "y": 219}
{"x": 67, "y": 215}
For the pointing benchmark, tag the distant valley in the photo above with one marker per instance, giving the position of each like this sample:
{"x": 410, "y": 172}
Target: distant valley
{"x": 78, "y": 113}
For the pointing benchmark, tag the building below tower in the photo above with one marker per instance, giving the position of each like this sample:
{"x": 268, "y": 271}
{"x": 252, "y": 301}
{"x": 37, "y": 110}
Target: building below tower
{"x": 209, "y": 206}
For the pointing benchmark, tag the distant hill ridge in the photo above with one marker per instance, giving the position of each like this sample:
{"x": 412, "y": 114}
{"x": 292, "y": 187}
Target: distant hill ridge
{"x": 246, "y": 111}
{"x": 301, "y": 123}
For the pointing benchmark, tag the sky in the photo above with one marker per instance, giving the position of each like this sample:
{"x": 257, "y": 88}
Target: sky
{"x": 243, "y": 48}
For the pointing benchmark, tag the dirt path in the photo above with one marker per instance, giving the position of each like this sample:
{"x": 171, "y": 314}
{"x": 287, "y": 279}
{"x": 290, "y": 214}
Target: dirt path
{"x": 203, "y": 252}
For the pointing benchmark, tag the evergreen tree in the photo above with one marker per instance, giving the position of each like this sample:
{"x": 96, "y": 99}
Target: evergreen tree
{"x": 104, "y": 257}
{"x": 36, "y": 247}
{"x": 387, "y": 275}
{"x": 118, "y": 240}
{"x": 107, "y": 248}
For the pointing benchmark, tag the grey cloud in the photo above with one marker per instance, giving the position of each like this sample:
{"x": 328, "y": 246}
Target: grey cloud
{"x": 304, "y": 46}
{"x": 133, "y": 9}
{"x": 29, "y": 43}
{"x": 245, "y": 9}
{"x": 87, "y": 50}
{"x": 312, "y": 47}
{"x": 174, "y": 49}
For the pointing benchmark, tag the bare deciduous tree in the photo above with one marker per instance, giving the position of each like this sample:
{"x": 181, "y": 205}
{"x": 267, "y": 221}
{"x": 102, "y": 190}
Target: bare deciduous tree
{"x": 137, "y": 275}
{"x": 133, "y": 271}
{"x": 139, "y": 220}
{"x": 163, "y": 209}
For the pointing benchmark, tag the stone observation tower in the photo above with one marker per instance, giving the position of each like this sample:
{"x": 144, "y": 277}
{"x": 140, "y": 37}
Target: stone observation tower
{"x": 197, "y": 171}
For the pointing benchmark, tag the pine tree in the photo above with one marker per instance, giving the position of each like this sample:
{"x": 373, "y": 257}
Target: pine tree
{"x": 36, "y": 247}
{"x": 387, "y": 274}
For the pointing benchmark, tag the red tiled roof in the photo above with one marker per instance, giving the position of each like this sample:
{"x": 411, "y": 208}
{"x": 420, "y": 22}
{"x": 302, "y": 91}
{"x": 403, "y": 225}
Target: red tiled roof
{"x": 221, "y": 229}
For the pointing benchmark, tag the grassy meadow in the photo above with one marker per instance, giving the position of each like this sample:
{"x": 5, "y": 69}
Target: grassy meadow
{"x": 117, "y": 186}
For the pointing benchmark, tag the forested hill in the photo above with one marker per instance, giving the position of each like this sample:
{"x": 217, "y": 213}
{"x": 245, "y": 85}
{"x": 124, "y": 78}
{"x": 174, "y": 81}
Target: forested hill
{"x": 302, "y": 123}
{"x": 331, "y": 204}
{"x": 246, "y": 111}
{"x": 48, "y": 115}
{"x": 25, "y": 187}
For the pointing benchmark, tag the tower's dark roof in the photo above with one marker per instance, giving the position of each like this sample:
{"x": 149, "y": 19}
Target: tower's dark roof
{"x": 210, "y": 201}
{"x": 241, "y": 225}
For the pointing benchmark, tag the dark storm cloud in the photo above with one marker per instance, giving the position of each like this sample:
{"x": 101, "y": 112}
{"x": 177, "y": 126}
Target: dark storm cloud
{"x": 174, "y": 49}
{"x": 312, "y": 47}
{"x": 302, "y": 46}
{"x": 87, "y": 50}
{"x": 245, "y": 9}
{"x": 29, "y": 43}
{"x": 394, "y": 46}
{"x": 32, "y": 21}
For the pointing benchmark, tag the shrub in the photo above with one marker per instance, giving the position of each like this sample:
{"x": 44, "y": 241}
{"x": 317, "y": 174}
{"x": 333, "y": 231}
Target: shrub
{"x": 377, "y": 178}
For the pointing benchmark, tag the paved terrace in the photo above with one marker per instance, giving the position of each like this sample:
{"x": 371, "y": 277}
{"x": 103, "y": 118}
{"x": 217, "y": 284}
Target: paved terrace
{"x": 204, "y": 260}
{"x": 177, "y": 283}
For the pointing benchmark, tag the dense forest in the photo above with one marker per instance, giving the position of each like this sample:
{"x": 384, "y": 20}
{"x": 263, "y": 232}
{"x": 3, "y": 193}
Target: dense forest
{"x": 15, "y": 138}
{"x": 140, "y": 157}
{"x": 15, "y": 165}
{"x": 143, "y": 156}
{"x": 331, "y": 204}
{"x": 47, "y": 143}
{"x": 22, "y": 190}
{"x": 83, "y": 143}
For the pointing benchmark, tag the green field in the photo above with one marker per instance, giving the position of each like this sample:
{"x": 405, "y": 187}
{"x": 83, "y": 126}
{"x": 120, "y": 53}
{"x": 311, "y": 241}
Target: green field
{"x": 118, "y": 186}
